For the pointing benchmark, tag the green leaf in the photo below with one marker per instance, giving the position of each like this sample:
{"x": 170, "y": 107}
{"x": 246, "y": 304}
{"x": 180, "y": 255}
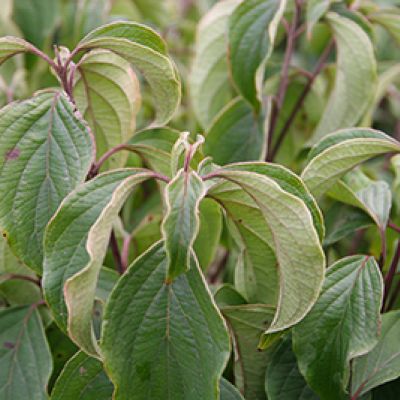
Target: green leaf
{"x": 247, "y": 322}
{"x": 227, "y": 295}
{"x": 385, "y": 80}
{"x": 390, "y": 20}
{"x": 25, "y": 359}
{"x": 382, "y": 364}
{"x": 163, "y": 339}
{"x": 207, "y": 241}
{"x": 10, "y": 46}
{"x": 80, "y": 17}
{"x": 252, "y": 29}
{"x": 343, "y": 324}
{"x": 316, "y": 9}
{"x": 181, "y": 222}
{"x": 75, "y": 245}
{"x": 154, "y": 147}
{"x": 107, "y": 93}
{"x": 341, "y": 151}
{"x": 374, "y": 198}
{"x": 16, "y": 292}
{"x": 210, "y": 88}
{"x": 236, "y": 134}
{"x": 256, "y": 273}
{"x": 283, "y": 380}
{"x": 107, "y": 279}
{"x": 228, "y": 391}
{"x": 296, "y": 245}
{"x": 82, "y": 378}
{"x": 145, "y": 49}
{"x": 289, "y": 182}
{"x": 342, "y": 220}
{"x": 37, "y": 19}
{"x": 350, "y": 97}
{"x": 45, "y": 152}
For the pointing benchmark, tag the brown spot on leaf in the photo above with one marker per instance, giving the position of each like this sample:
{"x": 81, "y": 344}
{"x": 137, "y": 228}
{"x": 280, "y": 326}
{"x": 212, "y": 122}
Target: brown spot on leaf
{"x": 9, "y": 345}
{"x": 12, "y": 154}
{"x": 82, "y": 370}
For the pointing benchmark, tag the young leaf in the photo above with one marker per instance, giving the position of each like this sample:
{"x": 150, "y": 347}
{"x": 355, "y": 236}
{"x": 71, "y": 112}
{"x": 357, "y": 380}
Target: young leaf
{"x": 343, "y": 324}
{"x": 75, "y": 244}
{"x": 163, "y": 339}
{"x": 356, "y": 65}
{"x": 247, "y": 323}
{"x": 45, "y": 152}
{"x": 210, "y": 88}
{"x": 10, "y": 46}
{"x": 107, "y": 93}
{"x": 341, "y": 151}
{"x": 283, "y": 380}
{"x": 252, "y": 29}
{"x": 382, "y": 364}
{"x": 142, "y": 47}
{"x": 296, "y": 245}
{"x": 25, "y": 359}
{"x": 82, "y": 378}
{"x": 181, "y": 223}
{"x": 236, "y": 134}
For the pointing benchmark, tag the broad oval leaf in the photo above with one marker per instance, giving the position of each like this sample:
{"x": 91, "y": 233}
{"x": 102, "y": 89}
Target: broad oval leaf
{"x": 10, "y": 46}
{"x": 107, "y": 93}
{"x": 247, "y": 322}
{"x": 283, "y": 380}
{"x": 341, "y": 151}
{"x": 82, "y": 378}
{"x": 236, "y": 134}
{"x": 296, "y": 245}
{"x": 75, "y": 245}
{"x": 45, "y": 152}
{"x": 343, "y": 324}
{"x": 181, "y": 222}
{"x": 350, "y": 97}
{"x": 145, "y": 49}
{"x": 252, "y": 29}
{"x": 382, "y": 364}
{"x": 161, "y": 338}
{"x": 25, "y": 358}
{"x": 210, "y": 88}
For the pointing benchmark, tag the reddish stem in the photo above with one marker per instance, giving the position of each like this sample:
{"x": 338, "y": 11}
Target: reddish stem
{"x": 390, "y": 275}
{"x": 301, "y": 99}
{"x": 283, "y": 85}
